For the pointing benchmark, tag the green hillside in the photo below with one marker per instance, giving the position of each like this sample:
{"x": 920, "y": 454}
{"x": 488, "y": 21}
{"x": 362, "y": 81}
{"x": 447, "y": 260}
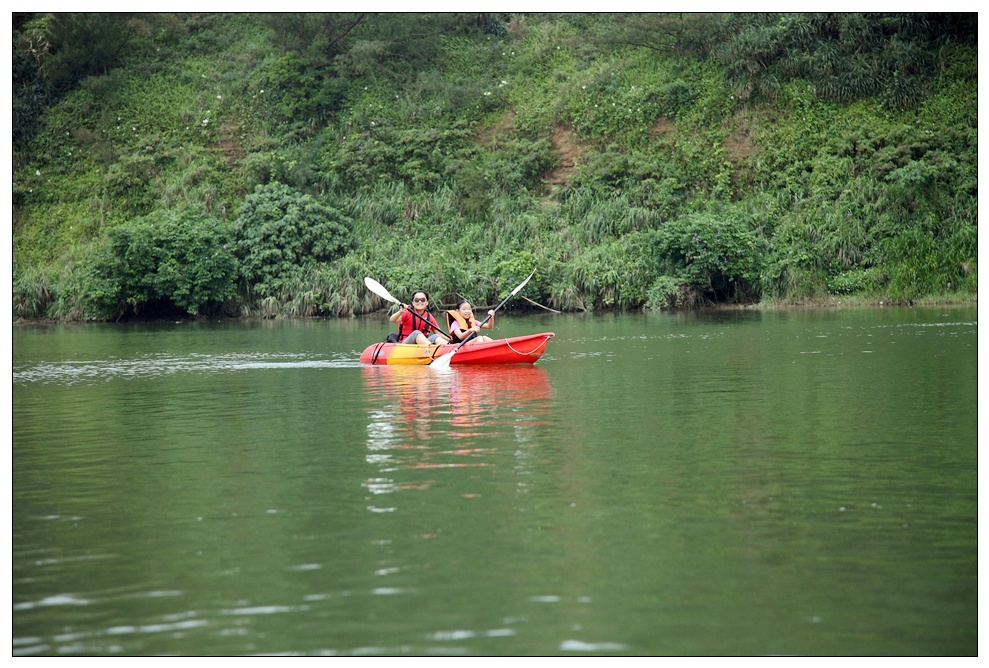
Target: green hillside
{"x": 262, "y": 165}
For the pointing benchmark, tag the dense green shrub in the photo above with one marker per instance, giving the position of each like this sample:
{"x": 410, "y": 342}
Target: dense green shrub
{"x": 614, "y": 109}
{"x": 33, "y": 293}
{"x": 716, "y": 253}
{"x": 662, "y": 177}
{"x": 183, "y": 258}
{"x": 602, "y": 276}
{"x": 511, "y": 170}
{"x": 673, "y": 98}
{"x": 279, "y": 232}
{"x": 56, "y": 292}
{"x": 926, "y": 259}
{"x": 72, "y": 46}
{"x": 301, "y": 91}
{"x": 670, "y": 292}
{"x": 857, "y": 281}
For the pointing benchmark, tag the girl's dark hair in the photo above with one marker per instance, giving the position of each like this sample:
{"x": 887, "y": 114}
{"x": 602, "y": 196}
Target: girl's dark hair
{"x": 462, "y": 302}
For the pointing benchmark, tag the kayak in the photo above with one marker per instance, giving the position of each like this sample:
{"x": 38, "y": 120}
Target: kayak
{"x": 513, "y": 350}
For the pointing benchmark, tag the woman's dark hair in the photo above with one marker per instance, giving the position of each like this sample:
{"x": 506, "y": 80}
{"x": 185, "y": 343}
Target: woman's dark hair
{"x": 415, "y": 292}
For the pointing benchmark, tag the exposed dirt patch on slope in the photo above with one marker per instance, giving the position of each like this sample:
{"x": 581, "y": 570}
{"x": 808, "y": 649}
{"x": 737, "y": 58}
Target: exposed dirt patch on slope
{"x": 565, "y": 141}
{"x": 228, "y": 144}
{"x": 503, "y": 127}
{"x": 662, "y": 126}
{"x": 740, "y": 144}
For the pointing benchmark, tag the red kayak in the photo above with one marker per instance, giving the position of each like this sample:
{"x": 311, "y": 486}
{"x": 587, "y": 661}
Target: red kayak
{"x": 514, "y": 350}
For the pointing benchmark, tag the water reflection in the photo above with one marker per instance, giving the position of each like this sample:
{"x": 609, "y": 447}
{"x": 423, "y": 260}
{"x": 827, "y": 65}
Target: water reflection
{"x": 420, "y": 419}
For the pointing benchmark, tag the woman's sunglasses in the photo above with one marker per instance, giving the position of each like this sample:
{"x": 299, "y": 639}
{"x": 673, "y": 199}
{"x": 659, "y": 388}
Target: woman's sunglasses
{"x": 419, "y": 299}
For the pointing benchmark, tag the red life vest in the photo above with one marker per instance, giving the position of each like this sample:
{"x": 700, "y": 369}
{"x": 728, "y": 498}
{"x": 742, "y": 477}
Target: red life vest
{"x": 415, "y": 323}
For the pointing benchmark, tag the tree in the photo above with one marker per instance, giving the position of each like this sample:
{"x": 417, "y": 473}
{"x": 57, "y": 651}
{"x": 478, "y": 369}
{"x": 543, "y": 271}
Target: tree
{"x": 279, "y": 231}
{"x": 71, "y": 46}
{"x": 678, "y": 33}
{"x": 182, "y": 257}
{"x": 305, "y": 31}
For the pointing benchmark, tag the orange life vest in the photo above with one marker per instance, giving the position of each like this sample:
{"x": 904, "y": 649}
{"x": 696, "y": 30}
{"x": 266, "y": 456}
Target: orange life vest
{"x": 454, "y": 316}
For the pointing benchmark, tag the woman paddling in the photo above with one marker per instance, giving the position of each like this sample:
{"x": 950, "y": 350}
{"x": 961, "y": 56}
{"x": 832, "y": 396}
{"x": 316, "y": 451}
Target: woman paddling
{"x": 462, "y": 324}
{"x": 416, "y": 320}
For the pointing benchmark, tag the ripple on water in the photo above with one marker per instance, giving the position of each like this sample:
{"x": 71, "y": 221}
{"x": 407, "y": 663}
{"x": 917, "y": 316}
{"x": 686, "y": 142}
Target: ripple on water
{"x": 70, "y": 372}
{"x": 582, "y": 646}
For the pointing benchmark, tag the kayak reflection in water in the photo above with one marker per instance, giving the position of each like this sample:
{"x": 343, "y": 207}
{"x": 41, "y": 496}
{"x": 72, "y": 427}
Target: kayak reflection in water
{"x": 462, "y": 324}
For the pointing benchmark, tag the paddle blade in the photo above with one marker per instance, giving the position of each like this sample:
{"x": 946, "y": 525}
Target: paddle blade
{"x": 522, "y": 284}
{"x": 379, "y": 290}
{"x": 442, "y": 363}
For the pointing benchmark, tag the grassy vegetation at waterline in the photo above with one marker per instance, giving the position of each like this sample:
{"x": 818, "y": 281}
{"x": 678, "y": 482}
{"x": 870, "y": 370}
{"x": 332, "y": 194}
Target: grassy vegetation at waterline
{"x": 262, "y": 165}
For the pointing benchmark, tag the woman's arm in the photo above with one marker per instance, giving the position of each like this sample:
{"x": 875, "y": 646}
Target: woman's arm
{"x": 397, "y": 315}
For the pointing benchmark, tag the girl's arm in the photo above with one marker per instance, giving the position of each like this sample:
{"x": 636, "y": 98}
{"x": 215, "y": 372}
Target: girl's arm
{"x": 490, "y": 323}
{"x": 456, "y": 332}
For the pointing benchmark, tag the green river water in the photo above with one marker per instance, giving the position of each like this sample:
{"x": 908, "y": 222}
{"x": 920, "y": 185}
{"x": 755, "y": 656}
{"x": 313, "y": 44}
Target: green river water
{"x": 798, "y": 482}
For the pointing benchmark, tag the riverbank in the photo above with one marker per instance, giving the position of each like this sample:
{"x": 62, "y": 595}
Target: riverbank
{"x": 833, "y": 302}
{"x": 853, "y": 301}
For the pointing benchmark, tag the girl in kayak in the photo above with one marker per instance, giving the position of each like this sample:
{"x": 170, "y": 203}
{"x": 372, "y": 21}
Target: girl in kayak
{"x": 462, "y": 324}
{"x": 416, "y": 320}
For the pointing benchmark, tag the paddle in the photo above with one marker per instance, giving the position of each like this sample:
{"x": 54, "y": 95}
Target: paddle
{"x": 443, "y": 362}
{"x": 380, "y": 290}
